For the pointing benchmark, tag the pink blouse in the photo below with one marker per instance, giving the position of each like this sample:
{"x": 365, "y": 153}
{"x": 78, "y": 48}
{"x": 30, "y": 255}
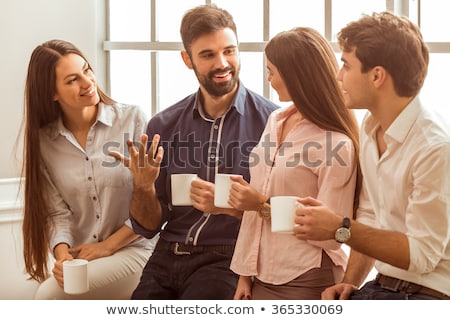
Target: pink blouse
{"x": 311, "y": 162}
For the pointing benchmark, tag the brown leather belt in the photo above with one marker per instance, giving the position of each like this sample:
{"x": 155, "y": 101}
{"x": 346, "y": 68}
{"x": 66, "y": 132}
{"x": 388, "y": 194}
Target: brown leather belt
{"x": 180, "y": 248}
{"x": 397, "y": 285}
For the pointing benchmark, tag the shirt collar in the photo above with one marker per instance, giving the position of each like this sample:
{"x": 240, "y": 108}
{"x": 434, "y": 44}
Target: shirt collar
{"x": 284, "y": 113}
{"x": 105, "y": 115}
{"x": 237, "y": 103}
{"x": 400, "y": 127}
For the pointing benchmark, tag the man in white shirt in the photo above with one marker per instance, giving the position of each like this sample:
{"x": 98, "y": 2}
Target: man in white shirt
{"x": 403, "y": 222}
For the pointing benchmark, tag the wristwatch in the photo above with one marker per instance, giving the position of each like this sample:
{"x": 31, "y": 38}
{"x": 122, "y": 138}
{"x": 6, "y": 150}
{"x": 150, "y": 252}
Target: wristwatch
{"x": 342, "y": 234}
{"x": 264, "y": 209}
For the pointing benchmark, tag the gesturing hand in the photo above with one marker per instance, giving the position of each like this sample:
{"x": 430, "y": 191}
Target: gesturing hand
{"x": 144, "y": 166}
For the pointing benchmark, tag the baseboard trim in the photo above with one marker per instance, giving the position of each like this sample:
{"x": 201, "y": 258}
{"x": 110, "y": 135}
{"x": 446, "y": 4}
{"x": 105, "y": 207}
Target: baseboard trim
{"x": 11, "y": 200}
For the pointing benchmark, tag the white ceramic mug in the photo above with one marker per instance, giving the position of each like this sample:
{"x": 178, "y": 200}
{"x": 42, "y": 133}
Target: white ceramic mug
{"x": 181, "y": 188}
{"x": 282, "y": 213}
{"x": 75, "y": 274}
{"x": 222, "y": 189}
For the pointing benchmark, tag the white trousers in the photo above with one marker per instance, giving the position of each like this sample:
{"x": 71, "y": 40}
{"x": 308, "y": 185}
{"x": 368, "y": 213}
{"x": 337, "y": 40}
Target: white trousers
{"x": 110, "y": 278}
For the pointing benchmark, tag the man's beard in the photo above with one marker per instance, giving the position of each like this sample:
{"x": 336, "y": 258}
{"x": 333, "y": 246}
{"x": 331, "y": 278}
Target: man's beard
{"x": 218, "y": 89}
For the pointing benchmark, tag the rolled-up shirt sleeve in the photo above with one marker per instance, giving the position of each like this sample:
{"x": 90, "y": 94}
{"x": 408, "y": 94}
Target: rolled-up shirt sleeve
{"x": 428, "y": 212}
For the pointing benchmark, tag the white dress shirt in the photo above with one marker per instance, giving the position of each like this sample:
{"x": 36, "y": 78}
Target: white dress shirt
{"x": 407, "y": 190}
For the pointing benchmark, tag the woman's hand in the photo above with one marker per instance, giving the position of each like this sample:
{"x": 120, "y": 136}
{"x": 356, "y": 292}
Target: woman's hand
{"x": 243, "y": 196}
{"x": 62, "y": 254}
{"x": 244, "y": 288}
{"x": 91, "y": 251}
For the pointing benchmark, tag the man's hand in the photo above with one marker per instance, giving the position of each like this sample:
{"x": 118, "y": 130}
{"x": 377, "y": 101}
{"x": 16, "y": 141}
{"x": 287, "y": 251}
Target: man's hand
{"x": 202, "y": 196}
{"x": 144, "y": 166}
{"x": 315, "y": 221}
{"x": 340, "y": 291}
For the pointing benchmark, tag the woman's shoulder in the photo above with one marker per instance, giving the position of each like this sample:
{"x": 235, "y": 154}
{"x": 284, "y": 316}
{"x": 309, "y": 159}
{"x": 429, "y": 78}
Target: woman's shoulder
{"x": 329, "y": 135}
{"x": 123, "y": 107}
{"x": 123, "y": 110}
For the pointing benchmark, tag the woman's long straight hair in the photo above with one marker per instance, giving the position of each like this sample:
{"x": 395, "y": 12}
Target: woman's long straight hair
{"x": 40, "y": 110}
{"x": 308, "y": 66}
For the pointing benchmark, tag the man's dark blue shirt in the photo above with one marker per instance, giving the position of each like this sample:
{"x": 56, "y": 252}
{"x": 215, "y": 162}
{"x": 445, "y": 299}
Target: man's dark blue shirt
{"x": 195, "y": 143}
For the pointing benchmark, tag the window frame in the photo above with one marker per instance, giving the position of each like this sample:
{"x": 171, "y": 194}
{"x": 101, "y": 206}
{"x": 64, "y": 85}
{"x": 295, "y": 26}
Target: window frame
{"x": 409, "y": 8}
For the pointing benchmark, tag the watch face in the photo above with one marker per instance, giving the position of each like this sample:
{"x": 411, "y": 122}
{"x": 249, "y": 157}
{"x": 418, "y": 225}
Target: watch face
{"x": 342, "y": 235}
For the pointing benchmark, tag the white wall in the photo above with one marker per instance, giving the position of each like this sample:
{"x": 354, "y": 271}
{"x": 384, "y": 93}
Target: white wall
{"x": 14, "y": 281}
{"x": 24, "y": 24}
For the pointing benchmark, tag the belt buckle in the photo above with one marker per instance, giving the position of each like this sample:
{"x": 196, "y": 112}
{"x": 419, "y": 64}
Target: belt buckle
{"x": 179, "y": 252}
{"x": 393, "y": 284}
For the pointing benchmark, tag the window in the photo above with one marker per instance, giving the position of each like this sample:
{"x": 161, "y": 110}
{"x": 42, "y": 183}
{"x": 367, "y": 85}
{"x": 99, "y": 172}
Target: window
{"x": 144, "y": 43}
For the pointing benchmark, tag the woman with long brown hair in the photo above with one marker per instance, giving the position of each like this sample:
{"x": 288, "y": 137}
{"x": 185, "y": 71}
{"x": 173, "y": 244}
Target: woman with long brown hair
{"x": 307, "y": 149}
{"x": 77, "y": 196}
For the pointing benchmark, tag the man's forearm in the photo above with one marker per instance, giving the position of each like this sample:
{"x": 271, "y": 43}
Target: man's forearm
{"x": 358, "y": 268}
{"x": 387, "y": 246}
{"x": 146, "y": 209}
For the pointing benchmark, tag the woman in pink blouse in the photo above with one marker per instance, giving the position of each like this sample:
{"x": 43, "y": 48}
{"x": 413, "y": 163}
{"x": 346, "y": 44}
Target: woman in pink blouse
{"x": 307, "y": 149}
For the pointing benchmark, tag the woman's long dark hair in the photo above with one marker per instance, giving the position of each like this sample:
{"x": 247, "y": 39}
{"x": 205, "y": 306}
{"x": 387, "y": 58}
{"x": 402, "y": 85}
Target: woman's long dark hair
{"x": 40, "y": 110}
{"x": 308, "y": 66}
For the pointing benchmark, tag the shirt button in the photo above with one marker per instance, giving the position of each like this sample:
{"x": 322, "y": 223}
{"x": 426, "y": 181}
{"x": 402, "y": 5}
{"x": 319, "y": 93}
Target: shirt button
{"x": 94, "y": 236}
{"x": 90, "y": 178}
{"x": 94, "y": 198}
{"x": 97, "y": 216}
{"x": 87, "y": 158}
{"x": 213, "y": 156}
{"x": 191, "y": 239}
{"x": 216, "y": 126}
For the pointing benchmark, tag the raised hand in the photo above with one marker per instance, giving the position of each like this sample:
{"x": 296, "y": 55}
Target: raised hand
{"x": 144, "y": 165}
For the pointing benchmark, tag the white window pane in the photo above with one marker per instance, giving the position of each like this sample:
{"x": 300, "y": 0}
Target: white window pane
{"x": 168, "y": 17}
{"x": 248, "y": 16}
{"x": 176, "y": 81}
{"x": 131, "y": 78}
{"x": 252, "y": 72}
{"x": 130, "y": 22}
{"x": 345, "y": 11}
{"x": 436, "y": 84}
{"x": 288, "y": 14}
{"x": 434, "y": 21}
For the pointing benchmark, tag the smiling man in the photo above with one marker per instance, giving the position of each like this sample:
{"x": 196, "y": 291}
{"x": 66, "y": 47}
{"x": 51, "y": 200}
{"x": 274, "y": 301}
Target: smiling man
{"x": 211, "y": 131}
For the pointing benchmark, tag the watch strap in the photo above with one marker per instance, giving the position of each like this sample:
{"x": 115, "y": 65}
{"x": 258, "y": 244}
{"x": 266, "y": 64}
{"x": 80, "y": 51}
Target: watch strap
{"x": 346, "y": 222}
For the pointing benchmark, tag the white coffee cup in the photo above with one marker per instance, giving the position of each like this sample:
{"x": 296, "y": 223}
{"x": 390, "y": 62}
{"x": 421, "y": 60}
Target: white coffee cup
{"x": 282, "y": 213}
{"x": 181, "y": 188}
{"x": 75, "y": 273}
{"x": 222, "y": 189}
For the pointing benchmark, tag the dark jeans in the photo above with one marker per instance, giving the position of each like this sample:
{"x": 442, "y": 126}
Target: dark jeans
{"x": 372, "y": 291}
{"x": 198, "y": 276}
